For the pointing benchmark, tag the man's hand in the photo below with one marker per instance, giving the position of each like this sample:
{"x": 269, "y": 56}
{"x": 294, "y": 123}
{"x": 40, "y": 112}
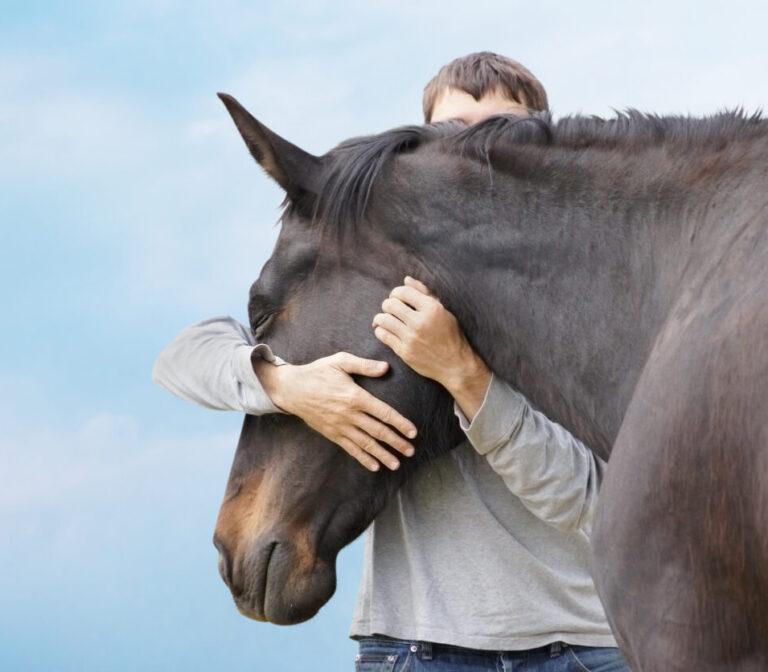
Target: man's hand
{"x": 429, "y": 339}
{"x": 324, "y": 395}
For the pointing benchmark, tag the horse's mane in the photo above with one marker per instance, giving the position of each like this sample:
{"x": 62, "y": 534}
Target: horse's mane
{"x": 357, "y": 163}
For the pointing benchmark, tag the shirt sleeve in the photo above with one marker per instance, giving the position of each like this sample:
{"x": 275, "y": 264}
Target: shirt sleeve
{"x": 554, "y": 474}
{"x": 209, "y": 364}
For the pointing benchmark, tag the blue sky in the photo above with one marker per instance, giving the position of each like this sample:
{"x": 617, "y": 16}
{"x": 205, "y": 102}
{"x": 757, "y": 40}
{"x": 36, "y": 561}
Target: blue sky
{"x": 130, "y": 208}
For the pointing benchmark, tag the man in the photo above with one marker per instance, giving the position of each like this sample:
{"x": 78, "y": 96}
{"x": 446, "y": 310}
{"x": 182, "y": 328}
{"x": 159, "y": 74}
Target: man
{"x": 481, "y": 560}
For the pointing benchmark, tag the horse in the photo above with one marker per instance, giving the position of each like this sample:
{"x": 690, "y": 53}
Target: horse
{"x": 614, "y": 271}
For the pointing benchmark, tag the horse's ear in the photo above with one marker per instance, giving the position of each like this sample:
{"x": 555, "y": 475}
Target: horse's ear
{"x": 296, "y": 171}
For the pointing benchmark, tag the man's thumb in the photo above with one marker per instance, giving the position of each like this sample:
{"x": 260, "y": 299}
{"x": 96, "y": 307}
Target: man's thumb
{"x": 362, "y": 367}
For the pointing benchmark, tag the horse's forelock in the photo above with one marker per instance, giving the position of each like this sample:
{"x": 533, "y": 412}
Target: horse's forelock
{"x": 355, "y": 165}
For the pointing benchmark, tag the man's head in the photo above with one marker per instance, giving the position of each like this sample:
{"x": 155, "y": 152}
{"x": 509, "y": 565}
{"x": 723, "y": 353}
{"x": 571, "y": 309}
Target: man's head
{"x": 477, "y": 86}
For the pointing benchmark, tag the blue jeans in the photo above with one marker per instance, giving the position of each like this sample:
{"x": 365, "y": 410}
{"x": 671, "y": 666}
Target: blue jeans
{"x": 383, "y": 654}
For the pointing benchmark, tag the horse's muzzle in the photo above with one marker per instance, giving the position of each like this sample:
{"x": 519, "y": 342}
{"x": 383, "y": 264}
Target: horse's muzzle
{"x": 275, "y": 583}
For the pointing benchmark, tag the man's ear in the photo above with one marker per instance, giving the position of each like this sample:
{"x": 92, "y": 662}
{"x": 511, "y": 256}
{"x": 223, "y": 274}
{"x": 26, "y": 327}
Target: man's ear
{"x": 296, "y": 171}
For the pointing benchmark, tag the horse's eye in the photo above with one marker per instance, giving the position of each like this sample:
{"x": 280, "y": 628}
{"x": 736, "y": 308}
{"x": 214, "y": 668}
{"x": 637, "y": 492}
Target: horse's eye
{"x": 263, "y": 322}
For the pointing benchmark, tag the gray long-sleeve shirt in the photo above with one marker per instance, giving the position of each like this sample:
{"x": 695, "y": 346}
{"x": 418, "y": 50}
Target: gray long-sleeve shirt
{"x": 487, "y": 547}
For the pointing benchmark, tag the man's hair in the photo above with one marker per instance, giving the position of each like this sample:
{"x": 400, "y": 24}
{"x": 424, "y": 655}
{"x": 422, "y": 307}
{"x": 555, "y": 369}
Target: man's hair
{"x": 482, "y": 73}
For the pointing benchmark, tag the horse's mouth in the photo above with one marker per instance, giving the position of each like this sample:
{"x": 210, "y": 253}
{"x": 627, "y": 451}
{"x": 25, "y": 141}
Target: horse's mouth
{"x": 278, "y": 590}
{"x": 253, "y": 603}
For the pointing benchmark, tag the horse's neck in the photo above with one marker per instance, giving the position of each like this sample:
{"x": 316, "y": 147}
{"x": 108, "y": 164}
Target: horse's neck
{"x": 563, "y": 295}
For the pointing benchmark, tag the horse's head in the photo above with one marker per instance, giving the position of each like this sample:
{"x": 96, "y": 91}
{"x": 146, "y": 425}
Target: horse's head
{"x": 294, "y": 499}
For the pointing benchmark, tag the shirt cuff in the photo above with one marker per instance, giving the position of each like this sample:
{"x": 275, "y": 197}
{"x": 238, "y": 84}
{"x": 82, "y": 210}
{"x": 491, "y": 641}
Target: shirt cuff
{"x": 254, "y": 395}
{"x": 496, "y": 419}
{"x": 265, "y": 352}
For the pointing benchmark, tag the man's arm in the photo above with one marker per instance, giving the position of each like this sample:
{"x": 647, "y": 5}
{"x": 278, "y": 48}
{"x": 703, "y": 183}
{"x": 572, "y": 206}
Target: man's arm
{"x": 554, "y": 475}
{"x": 216, "y": 364}
{"x": 209, "y": 364}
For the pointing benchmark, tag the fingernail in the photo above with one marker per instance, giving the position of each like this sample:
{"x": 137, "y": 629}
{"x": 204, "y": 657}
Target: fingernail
{"x": 394, "y": 465}
{"x": 411, "y": 433}
{"x": 374, "y": 467}
{"x": 409, "y": 452}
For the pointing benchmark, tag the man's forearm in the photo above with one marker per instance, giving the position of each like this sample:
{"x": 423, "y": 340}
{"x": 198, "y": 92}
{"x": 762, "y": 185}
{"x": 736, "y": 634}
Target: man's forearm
{"x": 209, "y": 364}
{"x": 216, "y": 364}
{"x": 555, "y": 475}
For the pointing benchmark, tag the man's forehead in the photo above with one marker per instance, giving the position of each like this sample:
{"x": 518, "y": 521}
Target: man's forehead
{"x": 453, "y": 103}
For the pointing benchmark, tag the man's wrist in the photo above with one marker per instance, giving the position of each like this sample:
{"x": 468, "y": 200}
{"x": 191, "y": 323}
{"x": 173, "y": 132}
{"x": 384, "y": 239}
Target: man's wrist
{"x": 468, "y": 383}
{"x": 270, "y": 376}
{"x": 468, "y": 373}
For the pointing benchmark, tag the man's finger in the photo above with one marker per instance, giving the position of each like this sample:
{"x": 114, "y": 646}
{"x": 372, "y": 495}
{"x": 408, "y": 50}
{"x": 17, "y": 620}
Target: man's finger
{"x": 411, "y": 296}
{"x": 417, "y": 284}
{"x": 389, "y": 339}
{"x": 397, "y": 308}
{"x": 391, "y": 324}
{"x": 359, "y": 454}
{"x": 373, "y": 448}
{"x": 385, "y": 413}
{"x": 359, "y": 366}
{"x": 378, "y": 430}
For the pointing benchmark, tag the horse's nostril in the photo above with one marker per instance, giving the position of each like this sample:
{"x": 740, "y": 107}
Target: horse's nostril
{"x": 225, "y": 568}
{"x": 225, "y": 561}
